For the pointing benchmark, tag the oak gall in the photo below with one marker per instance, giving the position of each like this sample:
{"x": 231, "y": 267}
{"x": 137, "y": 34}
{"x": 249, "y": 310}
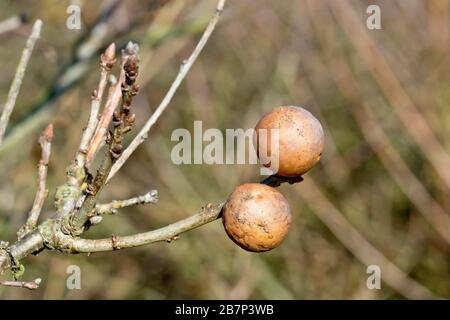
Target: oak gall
{"x": 256, "y": 217}
{"x": 301, "y": 140}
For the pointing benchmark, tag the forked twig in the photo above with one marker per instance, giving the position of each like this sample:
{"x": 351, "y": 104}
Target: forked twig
{"x": 184, "y": 69}
{"x": 107, "y": 60}
{"x": 45, "y": 141}
{"x": 31, "y": 285}
{"x": 112, "y": 207}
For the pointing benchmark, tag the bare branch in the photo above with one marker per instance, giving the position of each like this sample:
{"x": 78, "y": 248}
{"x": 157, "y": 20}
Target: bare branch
{"x": 45, "y": 141}
{"x": 114, "y": 96}
{"x": 31, "y": 285}
{"x": 207, "y": 214}
{"x": 107, "y": 60}
{"x": 18, "y": 78}
{"x": 112, "y": 207}
{"x": 122, "y": 120}
{"x": 34, "y": 241}
{"x": 184, "y": 69}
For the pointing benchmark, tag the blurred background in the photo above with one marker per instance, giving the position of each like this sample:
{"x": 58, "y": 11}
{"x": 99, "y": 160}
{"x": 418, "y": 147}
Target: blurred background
{"x": 380, "y": 195}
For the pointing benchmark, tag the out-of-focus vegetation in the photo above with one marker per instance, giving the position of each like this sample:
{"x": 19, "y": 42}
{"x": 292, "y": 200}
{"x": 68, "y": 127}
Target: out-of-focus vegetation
{"x": 383, "y": 97}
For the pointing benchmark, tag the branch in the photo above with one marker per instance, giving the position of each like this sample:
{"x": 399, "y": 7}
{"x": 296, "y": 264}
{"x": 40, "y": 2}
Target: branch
{"x": 18, "y": 78}
{"x": 107, "y": 60}
{"x": 122, "y": 120}
{"x": 184, "y": 69}
{"x": 34, "y": 241}
{"x": 112, "y": 207}
{"x": 22, "y": 284}
{"x": 168, "y": 233}
{"x": 114, "y": 96}
{"x": 45, "y": 141}
{"x": 171, "y": 232}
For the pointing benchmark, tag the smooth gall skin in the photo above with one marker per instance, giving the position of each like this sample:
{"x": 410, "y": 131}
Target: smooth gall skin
{"x": 301, "y": 140}
{"x": 256, "y": 217}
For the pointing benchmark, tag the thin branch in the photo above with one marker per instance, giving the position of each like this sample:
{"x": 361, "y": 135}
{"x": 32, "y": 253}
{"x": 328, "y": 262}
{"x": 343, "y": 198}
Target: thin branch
{"x": 114, "y": 96}
{"x": 184, "y": 69}
{"x": 107, "y": 60}
{"x": 34, "y": 241}
{"x": 207, "y": 214}
{"x": 167, "y": 233}
{"x": 122, "y": 120}
{"x": 112, "y": 207}
{"x": 31, "y": 285}
{"x": 18, "y": 78}
{"x": 45, "y": 141}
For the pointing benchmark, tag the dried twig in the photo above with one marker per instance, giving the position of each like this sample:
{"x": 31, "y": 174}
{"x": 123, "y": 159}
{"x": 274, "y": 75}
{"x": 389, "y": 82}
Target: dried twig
{"x": 167, "y": 233}
{"x": 114, "y": 96}
{"x": 31, "y": 285}
{"x": 112, "y": 207}
{"x": 122, "y": 93}
{"x": 62, "y": 231}
{"x": 107, "y": 60}
{"x": 35, "y": 241}
{"x": 207, "y": 214}
{"x": 184, "y": 69}
{"x": 18, "y": 78}
{"x": 45, "y": 141}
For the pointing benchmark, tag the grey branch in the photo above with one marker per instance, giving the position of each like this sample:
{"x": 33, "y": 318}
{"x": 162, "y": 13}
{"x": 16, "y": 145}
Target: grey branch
{"x": 34, "y": 241}
{"x": 184, "y": 69}
{"x": 107, "y": 61}
{"x": 18, "y": 78}
{"x": 45, "y": 141}
{"x": 31, "y": 285}
{"x": 114, "y": 97}
{"x": 206, "y": 215}
{"x": 112, "y": 207}
{"x": 168, "y": 233}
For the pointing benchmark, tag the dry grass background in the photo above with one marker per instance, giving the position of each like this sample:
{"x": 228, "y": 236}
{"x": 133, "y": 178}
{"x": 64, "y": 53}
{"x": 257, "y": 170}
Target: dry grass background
{"x": 382, "y": 96}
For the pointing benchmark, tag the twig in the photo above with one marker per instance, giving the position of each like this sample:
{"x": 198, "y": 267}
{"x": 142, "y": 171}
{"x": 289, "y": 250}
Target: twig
{"x": 34, "y": 241}
{"x": 207, "y": 214}
{"x": 45, "y": 141}
{"x": 184, "y": 69}
{"x": 112, "y": 207}
{"x": 168, "y": 233}
{"x": 107, "y": 60}
{"x": 122, "y": 93}
{"x": 18, "y": 78}
{"x": 85, "y": 48}
{"x": 31, "y": 285}
{"x": 115, "y": 95}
